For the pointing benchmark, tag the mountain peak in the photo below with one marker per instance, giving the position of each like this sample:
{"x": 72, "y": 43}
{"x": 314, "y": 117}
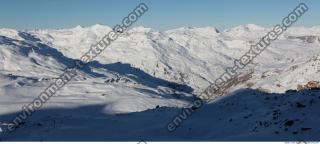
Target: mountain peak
{"x": 247, "y": 27}
{"x": 141, "y": 29}
{"x": 253, "y": 26}
{"x": 205, "y": 30}
{"x": 78, "y": 27}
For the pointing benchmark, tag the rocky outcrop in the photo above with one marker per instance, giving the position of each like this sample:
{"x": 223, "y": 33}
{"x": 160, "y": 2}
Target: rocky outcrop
{"x": 309, "y": 85}
{"x": 307, "y": 39}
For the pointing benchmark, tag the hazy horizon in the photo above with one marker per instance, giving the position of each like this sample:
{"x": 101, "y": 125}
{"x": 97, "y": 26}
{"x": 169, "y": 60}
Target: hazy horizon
{"x": 164, "y": 15}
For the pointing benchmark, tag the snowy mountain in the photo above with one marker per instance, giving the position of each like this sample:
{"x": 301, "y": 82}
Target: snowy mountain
{"x": 188, "y": 55}
{"x": 152, "y": 74}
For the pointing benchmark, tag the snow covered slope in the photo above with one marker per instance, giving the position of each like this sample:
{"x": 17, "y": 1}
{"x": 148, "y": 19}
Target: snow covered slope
{"x": 189, "y": 55}
{"x": 28, "y": 66}
{"x": 152, "y": 74}
{"x": 247, "y": 115}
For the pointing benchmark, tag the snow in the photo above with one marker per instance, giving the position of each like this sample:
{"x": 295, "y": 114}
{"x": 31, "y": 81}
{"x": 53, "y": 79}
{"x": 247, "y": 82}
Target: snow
{"x": 144, "y": 78}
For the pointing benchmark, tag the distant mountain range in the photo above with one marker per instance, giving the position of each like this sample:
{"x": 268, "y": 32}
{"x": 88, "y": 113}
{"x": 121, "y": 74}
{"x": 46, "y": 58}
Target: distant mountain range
{"x": 148, "y": 69}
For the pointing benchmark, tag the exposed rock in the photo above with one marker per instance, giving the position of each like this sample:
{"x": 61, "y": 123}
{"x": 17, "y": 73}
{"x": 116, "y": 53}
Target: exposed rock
{"x": 289, "y": 123}
{"x": 307, "y": 39}
{"x": 313, "y": 85}
{"x": 300, "y": 105}
{"x": 309, "y": 85}
{"x": 305, "y": 129}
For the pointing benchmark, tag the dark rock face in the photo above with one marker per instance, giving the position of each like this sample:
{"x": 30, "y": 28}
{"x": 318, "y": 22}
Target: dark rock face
{"x": 311, "y": 85}
{"x": 289, "y": 123}
{"x": 307, "y": 39}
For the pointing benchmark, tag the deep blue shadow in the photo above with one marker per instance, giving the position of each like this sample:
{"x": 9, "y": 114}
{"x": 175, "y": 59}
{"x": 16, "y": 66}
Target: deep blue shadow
{"x": 90, "y": 123}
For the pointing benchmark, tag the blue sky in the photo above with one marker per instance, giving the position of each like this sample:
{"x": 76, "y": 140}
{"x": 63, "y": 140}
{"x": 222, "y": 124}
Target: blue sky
{"x": 162, "y": 14}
